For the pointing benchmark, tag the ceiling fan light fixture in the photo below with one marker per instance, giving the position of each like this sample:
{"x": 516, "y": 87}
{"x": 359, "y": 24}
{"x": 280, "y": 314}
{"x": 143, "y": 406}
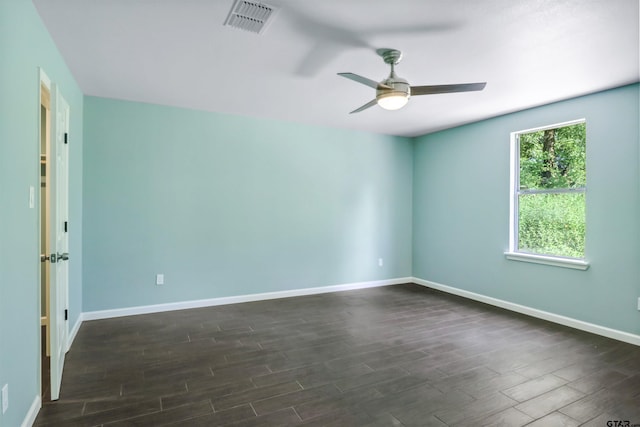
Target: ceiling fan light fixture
{"x": 393, "y": 100}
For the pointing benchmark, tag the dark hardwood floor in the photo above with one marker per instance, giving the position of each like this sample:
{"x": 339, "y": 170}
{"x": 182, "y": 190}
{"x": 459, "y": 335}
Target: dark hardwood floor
{"x": 394, "y": 356}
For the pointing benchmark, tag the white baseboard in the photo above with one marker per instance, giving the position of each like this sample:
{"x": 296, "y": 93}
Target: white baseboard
{"x": 30, "y": 418}
{"x": 156, "y": 308}
{"x": 533, "y": 312}
{"x": 74, "y": 331}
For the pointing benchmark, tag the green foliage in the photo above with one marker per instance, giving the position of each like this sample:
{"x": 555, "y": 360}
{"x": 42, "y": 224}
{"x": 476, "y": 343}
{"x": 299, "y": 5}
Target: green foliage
{"x": 562, "y": 166}
{"x": 552, "y": 223}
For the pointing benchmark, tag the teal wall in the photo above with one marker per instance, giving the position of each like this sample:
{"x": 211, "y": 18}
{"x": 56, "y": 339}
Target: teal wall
{"x": 461, "y": 212}
{"x": 26, "y": 45}
{"x": 226, "y": 205}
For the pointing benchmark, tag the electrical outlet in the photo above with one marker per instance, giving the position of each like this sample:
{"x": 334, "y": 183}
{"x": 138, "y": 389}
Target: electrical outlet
{"x": 639, "y": 304}
{"x": 32, "y": 197}
{"x": 380, "y": 262}
{"x": 159, "y": 279}
{"x": 5, "y": 398}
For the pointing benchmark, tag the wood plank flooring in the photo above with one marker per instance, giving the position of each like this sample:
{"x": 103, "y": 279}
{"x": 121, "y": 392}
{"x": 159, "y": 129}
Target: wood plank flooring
{"x": 400, "y": 355}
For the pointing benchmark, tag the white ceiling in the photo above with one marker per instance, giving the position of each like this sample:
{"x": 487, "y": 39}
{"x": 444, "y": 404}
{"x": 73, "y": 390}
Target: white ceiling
{"x": 177, "y": 52}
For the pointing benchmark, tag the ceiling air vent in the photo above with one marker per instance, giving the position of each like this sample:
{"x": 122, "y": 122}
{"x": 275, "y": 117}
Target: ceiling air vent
{"x": 250, "y": 16}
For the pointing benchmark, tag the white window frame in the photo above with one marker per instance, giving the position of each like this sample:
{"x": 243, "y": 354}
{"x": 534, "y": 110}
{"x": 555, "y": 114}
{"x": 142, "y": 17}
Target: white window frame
{"x": 514, "y": 177}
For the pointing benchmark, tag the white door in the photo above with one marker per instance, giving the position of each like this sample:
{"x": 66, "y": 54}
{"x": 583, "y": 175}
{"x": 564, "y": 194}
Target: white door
{"x": 59, "y": 242}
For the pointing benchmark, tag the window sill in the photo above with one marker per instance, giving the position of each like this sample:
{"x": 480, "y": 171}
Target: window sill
{"x": 576, "y": 264}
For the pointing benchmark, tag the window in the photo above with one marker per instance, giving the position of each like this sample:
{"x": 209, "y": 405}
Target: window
{"x": 548, "y": 185}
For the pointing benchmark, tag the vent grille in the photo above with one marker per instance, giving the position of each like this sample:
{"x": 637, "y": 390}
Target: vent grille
{"x": 250, "y": 16}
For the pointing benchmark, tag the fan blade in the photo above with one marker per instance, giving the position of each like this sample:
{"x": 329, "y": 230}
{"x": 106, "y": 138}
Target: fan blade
{"x": 365, "y": 106}
{"x": 435, "y": 89}
{"x": 365, "y": 81}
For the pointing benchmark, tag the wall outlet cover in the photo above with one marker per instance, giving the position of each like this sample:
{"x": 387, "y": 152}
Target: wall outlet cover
{"x": 32, "y": 197}
{"x": 5, "y": 398}
{"x": 159, "y": 279}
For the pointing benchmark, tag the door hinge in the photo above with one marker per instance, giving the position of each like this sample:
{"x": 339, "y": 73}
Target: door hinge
{"x": 66, "y": 138}
{"x": 66, "y": 227}
{"x": 66, "y": 314}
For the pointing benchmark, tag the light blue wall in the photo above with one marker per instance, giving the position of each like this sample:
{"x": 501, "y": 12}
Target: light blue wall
{"x": 25, "y": 45}
{"x": 461, "y": 212}
{"x": 226, "y": 205}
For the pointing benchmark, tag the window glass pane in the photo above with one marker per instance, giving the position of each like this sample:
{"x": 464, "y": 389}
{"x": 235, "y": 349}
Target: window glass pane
{"x": 552, "y": 224}
{"x": 553, "y": 158}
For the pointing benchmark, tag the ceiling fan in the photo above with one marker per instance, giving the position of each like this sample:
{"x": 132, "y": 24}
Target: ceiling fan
{"x": 394, "y": 92}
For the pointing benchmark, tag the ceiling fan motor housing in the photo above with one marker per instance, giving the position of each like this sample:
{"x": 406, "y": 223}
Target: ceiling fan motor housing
{"x": 400, "y": 88}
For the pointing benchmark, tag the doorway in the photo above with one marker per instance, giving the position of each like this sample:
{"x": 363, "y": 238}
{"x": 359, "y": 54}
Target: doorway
{"x": 45, "y": 155}
{"x": 53, "y": 232}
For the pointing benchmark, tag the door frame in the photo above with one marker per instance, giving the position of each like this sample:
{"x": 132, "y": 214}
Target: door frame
{"x": 43, "y": 82}
{"x": 45, "y": 158}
